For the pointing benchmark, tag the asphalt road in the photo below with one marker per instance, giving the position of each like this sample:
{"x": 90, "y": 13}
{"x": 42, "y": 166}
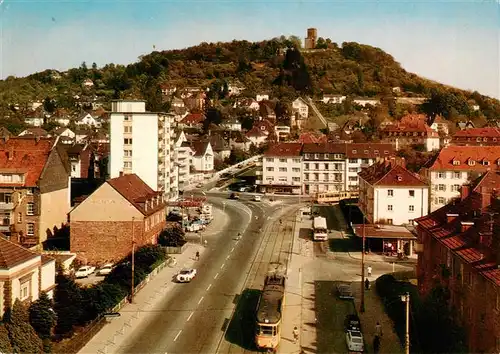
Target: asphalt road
{"x": 193, "y": 317}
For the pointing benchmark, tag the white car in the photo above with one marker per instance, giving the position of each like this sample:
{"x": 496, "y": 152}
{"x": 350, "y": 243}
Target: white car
{"x": 354, "y": 341}
{"x": 257, "y": 198}
{"x": 186, "y": 275}
{"x": 84, "y": 272}
{"x": 105, "y": 269}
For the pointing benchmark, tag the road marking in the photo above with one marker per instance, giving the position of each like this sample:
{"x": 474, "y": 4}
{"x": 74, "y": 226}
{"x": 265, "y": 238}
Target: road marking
{"x": 191, "y": 315}
{"x": 178, "y": 334}
{"x": 216, "y": 275}
{"x": 232, "y": 249}
{"x": 227, "y": 257}
{"x": 209, "y": 287}
{"x": 200, "y": 300}
{"x": 222, "y": 266}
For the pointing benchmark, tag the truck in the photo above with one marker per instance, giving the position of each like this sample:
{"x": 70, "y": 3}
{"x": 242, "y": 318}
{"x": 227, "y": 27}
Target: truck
{"x": 320, "y": 231}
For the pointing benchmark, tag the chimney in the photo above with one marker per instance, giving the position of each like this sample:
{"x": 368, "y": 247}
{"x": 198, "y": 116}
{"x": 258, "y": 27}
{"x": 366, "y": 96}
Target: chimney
{"x": 121, "y": 173}
{"x": 485, "y": 198}
{"x": 450, "y": 217}
{"x": 464, "y": 192}
{"x": 465, "y": 225}
{"x": 37, "y": 138}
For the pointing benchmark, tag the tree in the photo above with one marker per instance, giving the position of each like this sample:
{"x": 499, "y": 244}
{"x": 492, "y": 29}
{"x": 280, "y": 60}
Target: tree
{"x": 172, "y": 237}
{"x": 295, "y": 41}
{"x": 67, "y": 304}
{"x": 94, "y": 66}
{"x": 236, "y": 156}
{"x": 23, "y": 337}
{"x": 49, "y": 105}
{"x": 42, "y": 316}
{"x": 5, "y": 346}
{"x": 321, "y": 43}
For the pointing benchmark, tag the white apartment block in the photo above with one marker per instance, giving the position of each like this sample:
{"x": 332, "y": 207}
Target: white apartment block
{"x": 455, "y": 166}
{"x": 300, "y": 106}
{"x": 141, "y": 143}
{"x": 390, "y": 194}
{"x": 183, "y": 158}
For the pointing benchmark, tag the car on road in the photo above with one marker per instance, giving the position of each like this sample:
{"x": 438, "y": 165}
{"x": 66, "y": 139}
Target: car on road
{"x": 105, "y": 269}
{"x": 257, "y": 198}
{"x": 352, "y": 323}
{"x": 355, "y": 343}
{"x": 234, "y": 196}
{"x": 84, "y": 272}
{"x": 344, "y": 291}
{"x": 186, "y": 275}
{"x": 199, "y": 185}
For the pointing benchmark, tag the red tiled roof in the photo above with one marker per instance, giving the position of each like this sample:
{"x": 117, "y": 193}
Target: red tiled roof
{"x": 35, "y": 131}
{"x": 369, "y": 150}
{"x": 12, "y": 254}
{"x": 25, "y": 155}
{"x": 487, "y": 132}
{"x": 329, "y": 148}
{"x": 193, "y": 118}
{"x": 284, "y": 149}
{"x": 199, "y": 147}
{"x": 306, "y": 138}
{"x": 264, "y": 125}
{"x": 411, "y": 123}
{"x": 255, "y": 132}
{"x": 136, "y": 191}
{"x": 463, "y": 154}
{"x": 390, "y": 174}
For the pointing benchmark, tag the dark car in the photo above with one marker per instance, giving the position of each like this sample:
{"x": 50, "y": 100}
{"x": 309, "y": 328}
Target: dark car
{"x": 352, "y": 323}
{"x": 344, "y": 291}
{"x": 234, "y": 196}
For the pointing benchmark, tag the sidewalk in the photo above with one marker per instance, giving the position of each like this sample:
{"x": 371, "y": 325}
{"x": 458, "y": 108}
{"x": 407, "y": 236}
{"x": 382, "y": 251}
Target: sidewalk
{"x": 112, "y": 335}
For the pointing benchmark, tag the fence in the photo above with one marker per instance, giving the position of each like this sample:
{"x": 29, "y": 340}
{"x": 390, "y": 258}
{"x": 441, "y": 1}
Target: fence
{"x": 176, "y": 250}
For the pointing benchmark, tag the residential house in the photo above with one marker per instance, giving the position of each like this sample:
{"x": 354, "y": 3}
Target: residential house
{"x": 456, "y": 165}
{"x": 168, "y": 90}
{"x": 35, "y": 132}
{"x": 262, "y": 97}
{"x": 266, "y": 110}
{"x": 87, "y": 83}
{"x": 82, "y": 160}
{"x": 202, "y": 160}
{"x": 300, "y": 108}
{"x": 366, "y": 102}
{"x": 256, "y": 136}
{"x": 488, "y": 136}
{"x": 458, "y": 247}
{"x": 142, "y": 143}
{"x": 238, "y": 140}
{"x": 281, "y": 169}
{"x": 178, "y": 113}
{"x": 87, "y": 120}
{"x": 34, "y": 188}
{"x": 177, "y": 102}
{"x": 465, "y": 125}
{"x": 83, "y": 135}
{"x": 235, "y": 88}
{"x": 264, "y": 126}
{"x": 35, "y": 118}
{"x": 333, "y": 99}
{"x": 390, "y": 194}
{"x": 332, "y": 126}
{"x": 312, "y": 137}
{"x": 24, "y": 275}
{"x": 192, "y": 120}
{"x": 219, "y": 146}
{"x": 61, "y": 117}
{"x": 440, "y": 125}
{"x": 66, "y": 132}
{"x": 123, "y": 211}
{"x": 195, "y": 101}
{"x": 232, "y": 124}
{"x": 183, "y": 158}
{"x": 248, "y": 103}
{"x": 282, "y": 132}
{"x": 190, "y": 91}
{"x": 411, "y": 130}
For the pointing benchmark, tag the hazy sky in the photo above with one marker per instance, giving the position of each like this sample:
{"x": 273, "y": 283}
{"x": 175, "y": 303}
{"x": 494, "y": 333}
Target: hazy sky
{"x": 456, "y": 43}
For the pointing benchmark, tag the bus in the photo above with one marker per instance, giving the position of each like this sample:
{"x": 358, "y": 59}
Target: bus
{"x": 270, "y": 310}
{"x": 320, "y": 231}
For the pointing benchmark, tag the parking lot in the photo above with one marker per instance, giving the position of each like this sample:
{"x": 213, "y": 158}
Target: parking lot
{"x": 92, "y": 279}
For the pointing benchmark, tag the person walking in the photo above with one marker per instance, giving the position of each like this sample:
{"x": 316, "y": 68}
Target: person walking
{"x": 367, "y": 284}
{"x": 295, "y": 334}
{"x": 378, "y": 330}
{"x": 369, "y": 269}
{"x": 197, "y": 256}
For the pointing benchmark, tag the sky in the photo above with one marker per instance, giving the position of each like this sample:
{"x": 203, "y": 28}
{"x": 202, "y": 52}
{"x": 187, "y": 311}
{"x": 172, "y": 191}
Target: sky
{"x": 453, "y": 42}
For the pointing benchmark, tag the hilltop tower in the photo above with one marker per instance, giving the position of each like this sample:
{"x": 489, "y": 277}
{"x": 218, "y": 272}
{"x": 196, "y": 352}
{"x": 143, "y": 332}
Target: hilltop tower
{"x": 312, "y": 37}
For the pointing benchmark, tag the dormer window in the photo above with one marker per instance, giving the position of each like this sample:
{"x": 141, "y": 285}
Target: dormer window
{"x": 485, "y": 139}
{"x": 472, "y": 162}
{"x": 486, "y": 163}
{"x": 478, "y": 139}
{"x": 354, "y": 151}
{"x": 456, "y": 162}
{"x": 400, "y": 178}
{"x": 375, "y": 152}
{"x": 366, "y": 151}
{"x": 327, "y": 156}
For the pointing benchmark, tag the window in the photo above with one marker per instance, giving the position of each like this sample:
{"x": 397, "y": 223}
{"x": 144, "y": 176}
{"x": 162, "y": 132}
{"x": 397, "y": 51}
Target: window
{"x": 19, "y": 218}
{"x": 338, "y": 156}
{"x": 269, "y": 178}
{"x": 472, "y": 162}
{"x": 282, "y": 179}
{"x": 353, "y": 178}
{"x": 411, "y": 193}
{"x": 411, "y": 208}
{"x": 127, "y": 153}
{"x": 325, "y": 177}
{"x": 366, "y": 161}
{"x": 316, "y": 156}
{"x": 326, "y": 166}
{"x": 127, "y": 164}
{"x": 389, "y": 221}
{"x": 24, "y": 289}
{"x": 127, "y": 141}
{"x": 30, "y": 229}
{"x": 456, "y": 162}
{"x": 308, "y": 156}
{"x": 455, "y": 188}
{"x": 457, "y": 175}
{"x": 389, "y": 207}
{"x": 30, "y": 209}
{"x": 127, "y": 129}
{"x": 306, "y": 176}
{"x": 295, "y": 169}
{"x": 316, "y": 176}
{"x": 127, "y": 117}
{"x": 390, "y": 193}
{"x": 73, "y": 168}
{"x": 282, "y": 169}
{"x": 441, "y": 200}
{"x": 316, "y": 166}
{"x": 353, "y": 169}
{"x": 337, "y": 166}
{"x": 442, "y": 187}
{"x": 441, "y": 174}
{"x": 29, "y": 191}
{"x": 270, "y": 169}
{"x": 270, "y": 159}
{"x": 282, "y": 160}
{"x": 353, "y": 160}
{"x": 306, "y": 166}
{"x": 327, "y": 156}
{"x": 296, "y": 160}
{"x": 296, "y": 179}
{"x": 338, "y": 177}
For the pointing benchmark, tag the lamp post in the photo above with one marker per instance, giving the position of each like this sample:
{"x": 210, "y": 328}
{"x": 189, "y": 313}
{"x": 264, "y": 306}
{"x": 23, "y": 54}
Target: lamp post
{"x": 362, "y": 305}
{"x": 133, "y": 262}
{"x": 406, "y": 299}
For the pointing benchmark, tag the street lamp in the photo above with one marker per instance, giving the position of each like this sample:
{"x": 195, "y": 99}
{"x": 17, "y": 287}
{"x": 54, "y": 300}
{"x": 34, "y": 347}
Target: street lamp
{"x": 362, "y": 305}
{"x": 133, "y": 262}
{"x": 406, "y": 299}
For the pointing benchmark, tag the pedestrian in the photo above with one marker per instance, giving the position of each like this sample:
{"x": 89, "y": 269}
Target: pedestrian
{"x": 369, "y": 269}
{"x": 281, "y": 222}
{"x": 378, "y": 330}
{"x": 295, "y": 334}
{"x": 197, "y": 255}
{"x": 367, "y": 284}
{"x": 205, "y": 243}
{"x": 376, "y": 344}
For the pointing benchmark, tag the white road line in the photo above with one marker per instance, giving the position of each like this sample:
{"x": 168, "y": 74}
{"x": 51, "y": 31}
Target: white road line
{"x": 209, "y": 287}
{"x": 200, "y": 300}
{"x": 222, "y": 266}
{"x": 216, "y": 275}
{"x": 178, "y": 334}
{"x": 227, "y": 257}
{"x": 191, "y": 315}
{"x": 232, "y": 249}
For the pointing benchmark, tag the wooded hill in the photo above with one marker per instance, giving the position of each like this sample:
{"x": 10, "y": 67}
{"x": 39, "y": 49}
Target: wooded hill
{"x": 277, "y": 67}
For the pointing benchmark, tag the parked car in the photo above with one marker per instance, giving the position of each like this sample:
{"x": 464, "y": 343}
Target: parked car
{"x": 186, "y": 275}
{"x": 352, "y": 323}
{"x": 234, "y": 196}
{"x": 344, "y": 291}
{"x": 105, "y": 269}
{"x": 257, "y": 198}
{"x": 199, "y": 185}
{"x": 84, "y": 272}
{"x": 354, "y": 341}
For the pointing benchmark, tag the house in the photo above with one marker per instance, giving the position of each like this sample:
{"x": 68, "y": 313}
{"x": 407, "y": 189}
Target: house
{"x": 366, "y": 102}
{"x": 312, "y": 138}
{"x": 83, "y": 135}
{"x": 396, "y": 89}
{"x": 87, "y": 120}
{"x": 178, "y": 113}
{"x": 300, "y": 108}
{"x": 333, "y": 99}
{"x": 262, "y": 97}
{"x": 61, "y": 117}
{"x": 192, "y": 120}
{"x": 35, "y": 132}
{"x": 34, "y": 189}
{"x": 256, "y": 136}
{"x": 440, "y": 125}
{"x": 177, "y": 102}
{"x": 183, "y": 158}
{"x": 190, "y": 91}
{"x": 390, "y": 194}
{"x": 238, "y": 140}
{"x": 235, "y": 88}
{"x": 456, "y": 165}
{"x": 121, "y": 212}
{"x": 219, "y": 146}
{"x": 196, "y": 101}
{"x": 266, "y": 110}
{"x": 282, "y": 132}
{"x": 87, "y": 83}
{"x": 281, "y": 169}
{"x": 203, "y": 158}
{"x": 82, "y": 160}
{"x": 332, "y": 126}
{"x": 24, "y": 274}
{"x": 248, "y": 103}
{"x": 232, "y": 124}
{"x": 168, "y": 90}
{"x": 66, "y": 132}
{"x": 458, "y": 247}
{"x": 488, "y": 136}
{"x": 411, "y": 130}
{"x": 264, "y": 126}
{"x": 465, "y": 125}
{"x": 35, "y": 118}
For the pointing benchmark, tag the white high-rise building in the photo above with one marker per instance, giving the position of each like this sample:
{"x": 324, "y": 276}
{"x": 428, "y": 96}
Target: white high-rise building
{"x": 141, "y": 143}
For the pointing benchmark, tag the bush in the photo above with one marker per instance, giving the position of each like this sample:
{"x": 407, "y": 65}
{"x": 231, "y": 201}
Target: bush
{"x": 100, "y": 298}
{"x": 67, "y": 304}
{"x": 5, "y": 346}
{"x": 23, "y": 337}
{"x": 172, "y": 237}
{"x": 42, "y": 316}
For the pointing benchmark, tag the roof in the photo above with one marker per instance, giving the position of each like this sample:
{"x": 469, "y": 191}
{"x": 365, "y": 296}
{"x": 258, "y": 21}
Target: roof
{"x": 470, "y": 158}
{"x": 12, "y": 254}
{"x": 35, "y": 132}
{"x": 218, "y": 143}
{"x": 60, "y": 130}
{"x": 369, "y": 150}
{"x": 136, "y": 191}
{"x": 312, "y": 137}
{"x": 390, "y": 174}
{"x": 193, "y": 118}
{"x": 255, "y": 132}
{"x": 264, "y": 125}
{"x": 284, "y": 149}
{"x": 411, "y": 123}
{"x": 5, "y": 132}
{"x": 332, "y": 148}
{"x": 382, "y": 231}
{"x": 200, "y": 147}
{"x": 271, "y": 301}
{"x": 26, "y": 155}
{"x": 487, "y": 132}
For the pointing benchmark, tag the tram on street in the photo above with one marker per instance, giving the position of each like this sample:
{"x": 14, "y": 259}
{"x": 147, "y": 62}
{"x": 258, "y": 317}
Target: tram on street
{"x": 334, "y": 197}
{"x": 270, "y": 310}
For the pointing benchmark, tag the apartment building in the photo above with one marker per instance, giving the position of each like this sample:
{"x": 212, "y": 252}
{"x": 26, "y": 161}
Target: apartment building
{"x": 488, "y": 136}
{"x": 34, "y": 189}
{"x": 458, "y": 247}
{"x": 455, "y": 166}
{"x": 323, "y": 167}
{"x": 141, "y": 143}
{"x": 281, "y": 169}
{"x": 183, "y": 158}
{"x": 411, "y": 130}
{"x": 390, "y": 194}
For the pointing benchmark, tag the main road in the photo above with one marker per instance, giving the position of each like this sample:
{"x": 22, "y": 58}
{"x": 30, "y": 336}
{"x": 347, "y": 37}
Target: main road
{"x": 193, "y": 317}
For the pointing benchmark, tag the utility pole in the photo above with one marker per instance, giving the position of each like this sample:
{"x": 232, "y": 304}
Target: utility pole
{"x": 133, "y": 262}
{"x": 406, "y": 299}
{"x": 362, "y": 305}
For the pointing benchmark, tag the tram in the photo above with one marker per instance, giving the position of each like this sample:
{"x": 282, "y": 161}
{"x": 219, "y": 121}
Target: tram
{"x": 270, "y": 310}
{"x": 334, "y": 197}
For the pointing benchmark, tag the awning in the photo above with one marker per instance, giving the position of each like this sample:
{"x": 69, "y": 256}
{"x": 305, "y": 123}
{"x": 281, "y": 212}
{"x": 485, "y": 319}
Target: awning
{"x": 383, "y": 231}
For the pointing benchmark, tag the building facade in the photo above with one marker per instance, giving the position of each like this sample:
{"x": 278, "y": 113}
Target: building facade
{"x": 141, "y": 142}
{"x": 488, "y": 136}
{"x": 411, "y": 130}
{"x": 281, "y": 169}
